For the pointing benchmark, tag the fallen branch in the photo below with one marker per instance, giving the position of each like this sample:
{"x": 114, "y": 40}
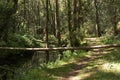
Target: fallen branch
{"x": 62, "y": 48}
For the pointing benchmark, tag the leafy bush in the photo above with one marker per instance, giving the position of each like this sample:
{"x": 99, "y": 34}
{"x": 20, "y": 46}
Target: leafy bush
{"x": 17, "y": 40}
{"x": 110, "y": 39}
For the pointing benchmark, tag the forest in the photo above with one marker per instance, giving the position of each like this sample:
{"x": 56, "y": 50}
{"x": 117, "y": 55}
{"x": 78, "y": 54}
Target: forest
{"x": 59, "y": 39}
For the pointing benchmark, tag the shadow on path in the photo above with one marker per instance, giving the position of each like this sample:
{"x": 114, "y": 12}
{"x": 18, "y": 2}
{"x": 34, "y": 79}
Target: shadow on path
{"x": 79, "y": 67}
{"x": 87, "y": 67}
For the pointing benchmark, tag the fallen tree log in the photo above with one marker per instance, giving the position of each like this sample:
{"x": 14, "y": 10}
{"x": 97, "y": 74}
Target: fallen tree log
{"x": 61, "y": 48}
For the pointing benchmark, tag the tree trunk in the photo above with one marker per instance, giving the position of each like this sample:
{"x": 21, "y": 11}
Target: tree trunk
{"x": 80, "y": 16}
{"x": 69, "y": 21}
{"x": 97, "y": 25}
{"x": 46, "y": 32}
{"x": 74, "y": 16}
{"x": 75, "y": 41}
{"x": 57, "y": 25}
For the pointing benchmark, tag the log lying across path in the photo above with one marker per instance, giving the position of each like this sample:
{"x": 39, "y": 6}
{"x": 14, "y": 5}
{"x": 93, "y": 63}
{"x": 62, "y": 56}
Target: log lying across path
{"x": 62, "y": 48}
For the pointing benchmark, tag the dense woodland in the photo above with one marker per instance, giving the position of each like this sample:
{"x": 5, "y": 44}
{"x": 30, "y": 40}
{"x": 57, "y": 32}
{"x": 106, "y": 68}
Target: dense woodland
{"x": 52, "y": 24}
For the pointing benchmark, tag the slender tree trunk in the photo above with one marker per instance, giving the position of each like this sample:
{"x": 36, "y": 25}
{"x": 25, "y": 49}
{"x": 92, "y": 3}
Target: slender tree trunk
{"x": 69, "y": 21}
{"x": 24, "y": 8}
{"x": 74, "y": 16}
{"x": 46, "y": 32}
{"x": 97, "y": 19}
{"x": 39, "y": 16}
{"x": 80, "y": 16}
{"x": 79, "y": 19}
{"x": 75, "y": 41}
{"x": 28, "y": 16}
{"x": 57, "y": 25}
{"x": 52, "y": 17}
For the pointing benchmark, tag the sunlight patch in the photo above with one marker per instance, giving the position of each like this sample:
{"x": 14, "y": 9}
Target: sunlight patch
{"x": 56, "y": 64}
{"x": 111, "y": 67}
{"x": 85, "y": 75}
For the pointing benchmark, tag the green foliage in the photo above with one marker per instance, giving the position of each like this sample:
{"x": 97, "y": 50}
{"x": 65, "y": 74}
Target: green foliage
{"x": 51, "y": 70}
{"x": 33, "y": 74}
{"x": 17, "y": 40}
{"x": 68, "y": 55}
{"x": 113, "y": 56}
{"x": 52, "y": 38}
{"x": 7, "y": 18}
{"x": 110, "y": 39}
{"x": 5, "y": 7}
{"x": 109, "y": 69}
{"x": 30, "y": 16}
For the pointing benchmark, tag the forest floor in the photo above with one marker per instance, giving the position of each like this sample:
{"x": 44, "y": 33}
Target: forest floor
{"x": 94, "y": 66}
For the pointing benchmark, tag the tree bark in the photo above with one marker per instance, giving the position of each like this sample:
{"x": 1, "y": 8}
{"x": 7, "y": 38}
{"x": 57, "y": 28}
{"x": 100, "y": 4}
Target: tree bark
{"x": 97, "y": 25}
{"x": 57, "y": 22}
{"x": 46, "y": 32}
{"x": 69, "y": 22}
{"x": 75, "y": 41}
{"x": 57, "y": 25}
{"x": 74, "y": 16}
{"x": 80, "y": 16}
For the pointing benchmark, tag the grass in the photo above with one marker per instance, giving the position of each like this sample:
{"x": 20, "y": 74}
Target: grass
{"x": 52, "y": 70}
{"x": 103, "y": 65}
{"x": 98, "y": 67}
{"x": 110, "y": 39}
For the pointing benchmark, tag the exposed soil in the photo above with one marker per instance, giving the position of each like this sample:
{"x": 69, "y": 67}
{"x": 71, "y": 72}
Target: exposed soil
{"x": 76, "y": 72}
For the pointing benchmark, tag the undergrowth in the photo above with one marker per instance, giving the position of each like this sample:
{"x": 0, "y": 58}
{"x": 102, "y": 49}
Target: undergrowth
{"x": 110, "y": 39}
{"x": 52, "y": 70}
{"x": 108, "y": 68}
{"x": 105, "y": 67}
{"x": 17, "y": 40}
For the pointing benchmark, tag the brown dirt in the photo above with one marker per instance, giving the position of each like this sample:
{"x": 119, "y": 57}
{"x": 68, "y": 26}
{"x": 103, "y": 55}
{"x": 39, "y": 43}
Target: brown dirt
{"x": 80, "y": 65}
{"x": 72, "y": 74}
